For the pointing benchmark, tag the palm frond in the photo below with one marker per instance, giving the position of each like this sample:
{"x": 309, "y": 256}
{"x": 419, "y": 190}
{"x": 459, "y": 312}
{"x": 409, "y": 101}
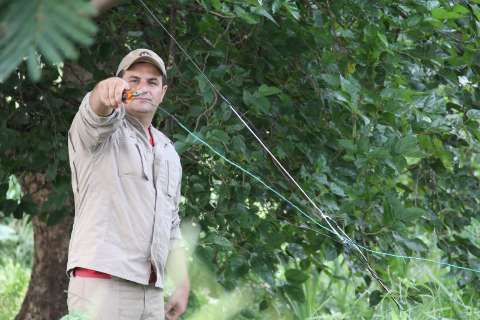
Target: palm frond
{"x": 30, "y": 29}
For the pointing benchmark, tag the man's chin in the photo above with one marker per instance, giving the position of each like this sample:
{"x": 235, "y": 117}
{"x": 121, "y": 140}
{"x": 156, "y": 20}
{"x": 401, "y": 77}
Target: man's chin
{"x": 144, "y": 108}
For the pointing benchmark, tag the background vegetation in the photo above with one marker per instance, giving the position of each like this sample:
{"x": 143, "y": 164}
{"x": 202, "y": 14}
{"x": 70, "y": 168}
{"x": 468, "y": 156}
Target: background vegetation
{"x": 372, "y": 105}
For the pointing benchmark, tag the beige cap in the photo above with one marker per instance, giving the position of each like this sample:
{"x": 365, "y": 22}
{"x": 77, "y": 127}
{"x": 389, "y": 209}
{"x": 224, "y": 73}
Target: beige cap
{"x": 142, "y": 55}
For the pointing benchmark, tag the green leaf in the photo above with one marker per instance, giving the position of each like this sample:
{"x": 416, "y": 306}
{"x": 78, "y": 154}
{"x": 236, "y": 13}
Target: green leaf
{"x": 266, "y": 91}
{"x": 412, "y": 214}
{"x": 331, "y": 79}
{"x": 473, "y": 114}
{"x": 276, "y": 5}
{"x": 205, "y": 89}
{"x": 260, "y": 103}
{"x": 217, "y": 5}
{"x": 458, "y": 11}
{"x": 45, "y": 26}
{"x": 413, "y": 244}
{"x": 351, "y": 87}
{"x": 245, "y": 16}
{"x": 336, "y": 189}
{"x": 388, "y": 216}
{"x": 264, "y": 304}
{"x": 295, "y": 292}
{"x": 408, "y": 147}
{"x": 292, "y": 8}
{"x": 383, "y": 39}
{"x": 375, "y": 297}
{"x": 222, "y": 241}
{"x": 296, "y": 276}
{"x": 347, "y": 144}
{"x": 264, "y": 13}
{"x": 239, "y": 144}
{"x": 218, "y": 135}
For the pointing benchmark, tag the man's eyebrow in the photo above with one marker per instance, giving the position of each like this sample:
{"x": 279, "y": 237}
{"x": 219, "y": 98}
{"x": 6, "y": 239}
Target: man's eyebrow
{"x": 150, "y": 79}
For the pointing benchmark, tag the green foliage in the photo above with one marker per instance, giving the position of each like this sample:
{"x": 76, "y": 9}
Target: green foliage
{"x": 16, "y": 241}
{"x": 75, "y": 316}
{"x": 372, "y": 107}
{"x": 35, "y": 29}
{"x": 14, "y": 278}
{"x": 333, "y": 293}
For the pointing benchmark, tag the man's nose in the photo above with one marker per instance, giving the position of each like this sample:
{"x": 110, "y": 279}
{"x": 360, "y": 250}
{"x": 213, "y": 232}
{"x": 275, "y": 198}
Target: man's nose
{"x": 141, "y": 87}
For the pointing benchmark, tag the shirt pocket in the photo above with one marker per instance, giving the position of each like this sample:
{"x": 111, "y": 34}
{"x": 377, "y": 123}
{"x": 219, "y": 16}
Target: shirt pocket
{"x": 168, "y": 177}
{"x": 131, "y": 160}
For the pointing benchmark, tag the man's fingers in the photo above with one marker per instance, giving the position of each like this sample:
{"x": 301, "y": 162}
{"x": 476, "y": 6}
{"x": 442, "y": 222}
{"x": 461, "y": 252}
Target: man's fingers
{"x": 103, "y": 94}
{"x": 172, "y": 315}
{"x": 111, "y": 95}
{"x": 119, "y": 88}
{"x": 171, "y": 311}
{"x": 174, "y": 312}
{"x": 176, "y": 305}
{"x": 122, "y": 86}
{"x": 169, "y": 306}
{"x": 109, "y": 91}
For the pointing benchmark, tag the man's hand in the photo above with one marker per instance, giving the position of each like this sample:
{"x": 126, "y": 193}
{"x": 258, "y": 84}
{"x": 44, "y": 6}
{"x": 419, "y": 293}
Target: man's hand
{"x": 177, "y": 271}
{"x": 107, "y": 95}
{"x": 177, "y": 303}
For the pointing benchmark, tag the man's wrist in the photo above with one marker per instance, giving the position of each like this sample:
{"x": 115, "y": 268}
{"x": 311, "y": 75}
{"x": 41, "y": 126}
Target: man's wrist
{"x": 184, "y": 285}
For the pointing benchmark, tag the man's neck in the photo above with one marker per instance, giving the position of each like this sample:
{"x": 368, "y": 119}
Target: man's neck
{"x": 144, "y": 118}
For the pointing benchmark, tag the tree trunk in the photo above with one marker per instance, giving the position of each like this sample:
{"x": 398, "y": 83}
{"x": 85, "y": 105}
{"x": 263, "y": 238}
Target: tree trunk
{"x": 46, "y": 295}
{"x": 45, "y": 298}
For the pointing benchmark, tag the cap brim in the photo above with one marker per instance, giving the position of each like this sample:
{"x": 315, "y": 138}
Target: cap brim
{"x": 147, "y": 60}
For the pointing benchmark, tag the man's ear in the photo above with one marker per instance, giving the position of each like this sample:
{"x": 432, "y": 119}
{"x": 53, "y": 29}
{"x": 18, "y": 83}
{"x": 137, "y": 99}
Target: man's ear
{"x": 164, "y": 89}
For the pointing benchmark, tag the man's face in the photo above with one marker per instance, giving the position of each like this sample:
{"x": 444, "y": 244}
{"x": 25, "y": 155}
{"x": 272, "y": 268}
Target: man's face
{"x": 146, "y": 79}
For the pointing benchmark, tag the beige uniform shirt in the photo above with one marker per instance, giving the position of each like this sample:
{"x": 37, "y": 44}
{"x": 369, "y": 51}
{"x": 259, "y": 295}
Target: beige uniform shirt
{"x": 126, "y": 195}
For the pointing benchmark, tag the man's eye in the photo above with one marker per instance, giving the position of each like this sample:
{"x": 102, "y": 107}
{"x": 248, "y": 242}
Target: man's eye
{"x": 133, "y": 80}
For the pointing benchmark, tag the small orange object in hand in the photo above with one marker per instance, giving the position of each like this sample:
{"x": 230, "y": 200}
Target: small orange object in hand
{"x": 128, "y": 95}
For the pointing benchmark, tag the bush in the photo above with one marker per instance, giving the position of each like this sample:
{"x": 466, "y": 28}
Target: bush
{"x": 16, "y": 251}
{"x": 16, "y": 241}
{"x": 14, "y": 279}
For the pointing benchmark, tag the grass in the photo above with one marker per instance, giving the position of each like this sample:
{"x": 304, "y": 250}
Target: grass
{"x": 426, "y": 291}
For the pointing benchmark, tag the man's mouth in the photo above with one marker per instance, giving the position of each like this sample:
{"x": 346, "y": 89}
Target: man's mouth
{"x": 142, "y": 99}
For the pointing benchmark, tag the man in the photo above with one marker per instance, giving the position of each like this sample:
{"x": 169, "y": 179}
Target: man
{"x": 126, "y": 178}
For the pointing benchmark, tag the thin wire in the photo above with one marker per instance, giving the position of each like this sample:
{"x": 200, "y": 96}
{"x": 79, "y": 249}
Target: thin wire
{"x": 330, "y": 222}
{"x": 281, "y": 196}
{"x": 239, "y": 167}
{"x": 345, "y": 239}
{"x": 230, "y": 105}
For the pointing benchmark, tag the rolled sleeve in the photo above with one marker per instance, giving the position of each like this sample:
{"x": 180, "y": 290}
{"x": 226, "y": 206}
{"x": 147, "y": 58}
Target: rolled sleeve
{"x": 93, "y": 129}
